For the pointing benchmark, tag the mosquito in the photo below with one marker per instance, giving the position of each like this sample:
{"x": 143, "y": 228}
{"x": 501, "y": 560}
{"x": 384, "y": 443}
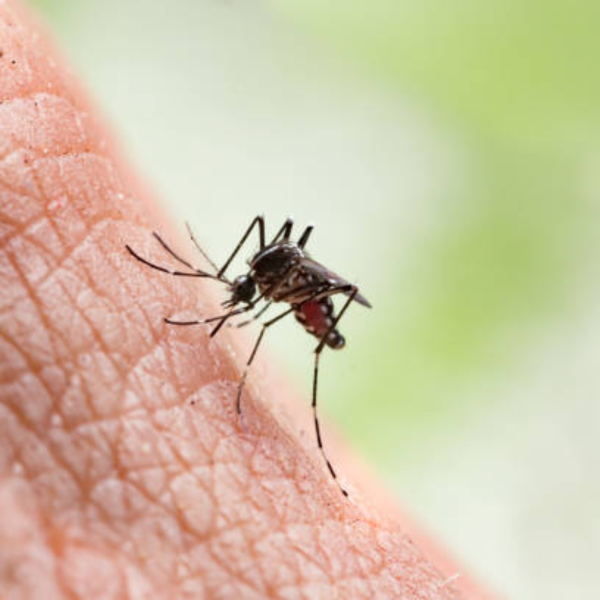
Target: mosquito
{"x": 280, "y": 271}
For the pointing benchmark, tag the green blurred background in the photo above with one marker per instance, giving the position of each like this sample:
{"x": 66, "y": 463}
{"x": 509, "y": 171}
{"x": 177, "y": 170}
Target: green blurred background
{"x": 448, "y": 154}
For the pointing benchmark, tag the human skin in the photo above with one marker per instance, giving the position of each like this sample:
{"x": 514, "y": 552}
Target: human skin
{"x": 125, "y": 471}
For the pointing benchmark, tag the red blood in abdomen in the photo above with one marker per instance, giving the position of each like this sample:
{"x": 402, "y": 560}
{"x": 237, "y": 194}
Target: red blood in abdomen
{"x": 316, "y": 317}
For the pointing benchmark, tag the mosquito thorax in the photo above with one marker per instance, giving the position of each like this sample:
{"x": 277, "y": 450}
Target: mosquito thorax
{"x": 243, "y": 289}
{"x": 275, "y": 260}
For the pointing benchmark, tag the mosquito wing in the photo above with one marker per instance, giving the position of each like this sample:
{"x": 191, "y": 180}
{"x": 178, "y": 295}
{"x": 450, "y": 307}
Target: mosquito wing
{"x": 320, "y": 272}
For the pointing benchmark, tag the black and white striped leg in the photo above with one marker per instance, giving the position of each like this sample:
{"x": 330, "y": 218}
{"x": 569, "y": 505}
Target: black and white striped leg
{"x": 258, "y": 315}
{"x": 260, "y": 221}
{"x": 286, "y": 230}
{"x": 172, "y": 252}
{"x": 199, "y": 248}
{"x": 254, "y": 351}
{"x": 318, "y": 351}
{"x": 231, "y": 313}
{"x": 196, "y": 273}
{"x": 222, "y": 319}
{"x": 304, "y": 237}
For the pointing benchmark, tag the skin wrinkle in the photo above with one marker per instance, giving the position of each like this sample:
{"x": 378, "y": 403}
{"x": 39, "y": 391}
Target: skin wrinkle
{"x": 43, "y": 262}
{"x": 40, "y": 380}
{"x": 24, "y": 280}
{"x": 20, "y": 197}
{"x": 96, "y": 334}
{"x": 17, "y": 572}
{"x": 65, "y": 256}
{"x": 47, "y": 390}
{"x": 199, "y": 481}
{"x": 184, "y": 467}
{"x": 262, "y": 583}
{"x": 11, "y": 376}
{"x": 64, "y": 259}
{"x": 227, "y": 500}
{"x": 310, "y": 560}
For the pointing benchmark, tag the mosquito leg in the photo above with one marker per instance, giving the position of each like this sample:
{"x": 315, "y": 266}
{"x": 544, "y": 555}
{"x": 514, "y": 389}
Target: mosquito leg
{"x": 237, "y": 311}
{"x": 199, "y": 247}
{"x": 318, "y": 351}
{"x": 231, "y": 313}
{"x": 182, "y": 323}
{"x": 260, "y": 221}
{"x": 259, "y": 314}
{"x": 304, "y": 237}
{"x": 254, "y": 350}
{"x": 196, "y": 273}
{"x": 258, "y": 341}
{"x": 172, "y": 252}
{"x": 286, "y": 230}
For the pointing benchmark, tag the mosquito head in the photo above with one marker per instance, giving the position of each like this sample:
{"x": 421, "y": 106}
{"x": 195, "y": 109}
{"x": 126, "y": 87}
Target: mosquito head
{"x": 242, "y": 289}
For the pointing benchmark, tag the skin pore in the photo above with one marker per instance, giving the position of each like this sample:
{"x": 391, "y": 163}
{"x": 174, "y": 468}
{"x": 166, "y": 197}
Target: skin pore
{"x": 125, "y": 471}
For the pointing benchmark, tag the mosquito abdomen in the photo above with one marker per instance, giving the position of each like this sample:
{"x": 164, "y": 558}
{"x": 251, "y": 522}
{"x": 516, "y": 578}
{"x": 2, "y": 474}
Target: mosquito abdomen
{"x": 335, "y": 340}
